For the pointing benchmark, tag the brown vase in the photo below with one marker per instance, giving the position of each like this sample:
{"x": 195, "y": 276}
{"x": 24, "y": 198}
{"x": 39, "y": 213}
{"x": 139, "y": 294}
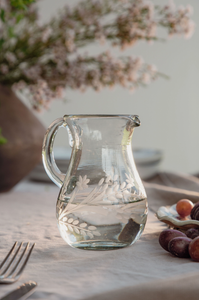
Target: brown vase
{"x": 24, "y": 134}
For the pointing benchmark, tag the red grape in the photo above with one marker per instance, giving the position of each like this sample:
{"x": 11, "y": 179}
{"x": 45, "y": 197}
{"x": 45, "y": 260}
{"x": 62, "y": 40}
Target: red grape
{"x": 195, "y": 212}
{"x": 194, "y": 249}
{"x": 184, "y": 207}
{"x": 167, "y": 235}
{"x": 192, "y": 233}
{"x": 179, "y": 246}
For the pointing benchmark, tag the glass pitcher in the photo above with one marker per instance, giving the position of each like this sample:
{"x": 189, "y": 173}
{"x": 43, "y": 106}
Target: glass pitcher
{"x": 102, "y": 204}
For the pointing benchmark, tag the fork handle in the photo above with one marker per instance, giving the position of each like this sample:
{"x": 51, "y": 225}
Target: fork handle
{"x": 24, "y": 290}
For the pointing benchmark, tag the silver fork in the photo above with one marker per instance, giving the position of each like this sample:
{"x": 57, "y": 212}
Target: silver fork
{"x": 15, "y": 261}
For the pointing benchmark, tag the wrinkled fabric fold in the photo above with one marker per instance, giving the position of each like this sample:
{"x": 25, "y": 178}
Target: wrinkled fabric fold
{"x": 167, "y": 188}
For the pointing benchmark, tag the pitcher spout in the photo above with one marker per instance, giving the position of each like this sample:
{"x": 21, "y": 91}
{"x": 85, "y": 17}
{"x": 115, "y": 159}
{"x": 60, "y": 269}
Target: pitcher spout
{"x": 135, "y": 121}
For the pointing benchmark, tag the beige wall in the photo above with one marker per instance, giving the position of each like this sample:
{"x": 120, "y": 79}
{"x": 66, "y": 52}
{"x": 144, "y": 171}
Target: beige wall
{"x": 168, "y": 109}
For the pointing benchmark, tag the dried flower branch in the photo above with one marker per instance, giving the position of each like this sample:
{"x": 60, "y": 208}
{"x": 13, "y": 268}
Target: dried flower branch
{"x": 44, "y": 59}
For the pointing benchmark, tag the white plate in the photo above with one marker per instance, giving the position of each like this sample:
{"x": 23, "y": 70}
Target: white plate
{"x": 144, "y": 156}
{"x": 169, "y": 215}
{"x": 147, "y": 161}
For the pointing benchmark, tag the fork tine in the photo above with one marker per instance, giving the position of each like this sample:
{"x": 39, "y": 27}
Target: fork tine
{"x": 19, "y": 260}
{"x": 8, "y": 276}
{"x": 25, "y": 262}
{"x": 12, "y": 260}
{"x": 7, "y": 256}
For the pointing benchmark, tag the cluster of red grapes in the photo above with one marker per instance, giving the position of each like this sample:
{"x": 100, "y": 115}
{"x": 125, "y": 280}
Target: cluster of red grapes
{"x": 179, "y": 243}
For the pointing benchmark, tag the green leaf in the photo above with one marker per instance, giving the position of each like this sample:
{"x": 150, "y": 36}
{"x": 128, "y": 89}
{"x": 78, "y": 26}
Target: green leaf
{"x": 2, "y": 139}
{"x": 21, "y": 4}
{"x": 1, "y": 42}
{"x": 11, "y": 32}
{"x": 2, "y": 15}
{"x": 19, "y": 18}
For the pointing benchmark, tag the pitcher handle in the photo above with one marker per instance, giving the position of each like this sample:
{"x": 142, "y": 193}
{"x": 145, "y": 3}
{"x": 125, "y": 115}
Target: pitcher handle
{"x": 47, "y": 152}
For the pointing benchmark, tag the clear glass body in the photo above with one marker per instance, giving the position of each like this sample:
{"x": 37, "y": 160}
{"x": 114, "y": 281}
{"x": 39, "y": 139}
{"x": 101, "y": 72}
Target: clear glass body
{"x": 102, "y": 203}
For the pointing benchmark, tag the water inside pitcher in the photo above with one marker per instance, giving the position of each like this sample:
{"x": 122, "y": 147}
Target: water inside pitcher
{"x": 102, "y": 204}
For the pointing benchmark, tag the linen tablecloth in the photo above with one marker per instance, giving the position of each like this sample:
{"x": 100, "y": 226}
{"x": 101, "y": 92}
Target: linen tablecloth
{"x": 141, "y": 271}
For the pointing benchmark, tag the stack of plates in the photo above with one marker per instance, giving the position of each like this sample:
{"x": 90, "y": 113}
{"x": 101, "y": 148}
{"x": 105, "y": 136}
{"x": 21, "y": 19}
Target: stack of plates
{"x": 146, "y": 160}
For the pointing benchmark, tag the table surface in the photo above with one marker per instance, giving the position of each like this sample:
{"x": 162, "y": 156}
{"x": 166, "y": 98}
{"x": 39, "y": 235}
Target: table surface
{"x": 28, "y": 214}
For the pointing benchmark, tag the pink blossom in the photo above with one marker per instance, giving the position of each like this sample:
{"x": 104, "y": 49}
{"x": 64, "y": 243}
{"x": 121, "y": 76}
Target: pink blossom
{"x": 11, "y": 58}
{"x": 4, "y": 69}
{"x": 46, "y": 34}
